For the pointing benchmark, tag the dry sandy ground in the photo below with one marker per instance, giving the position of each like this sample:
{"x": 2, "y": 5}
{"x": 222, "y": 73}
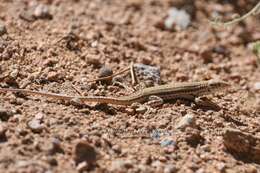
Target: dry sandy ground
{"x": 54, "y": 45}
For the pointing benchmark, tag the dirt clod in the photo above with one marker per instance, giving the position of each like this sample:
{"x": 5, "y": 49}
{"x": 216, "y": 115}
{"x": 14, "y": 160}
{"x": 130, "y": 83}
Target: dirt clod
{"x": 84, "y": 152}
{"x": 3, "y": 29}
{"x": 5, "y": 114}
{"x": 193, "y": 137}
{"x": 3, "y": 129}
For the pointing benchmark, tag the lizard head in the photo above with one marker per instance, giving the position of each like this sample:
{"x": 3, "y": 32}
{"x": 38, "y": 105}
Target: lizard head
{"x": 217, "y": 85}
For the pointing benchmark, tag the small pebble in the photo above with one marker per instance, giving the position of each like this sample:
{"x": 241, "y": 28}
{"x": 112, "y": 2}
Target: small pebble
{"x": 27, "y": 16}
{"x": 84, "y": 152}
{"x": 2, "y": 29}
{"x": 257, "y": 86}
{"x": 35, "y": 125}
{"x": 141, "y": 109}
{"x": 167, "y": 142}
{"x": 177, "y": 18}
{"x": 118, "y": 165}
{"x": 187, "y": 121}
{"x": 42, "y": 11}
{"x": 94, "y": 44}
{"x": 105, "y": 71}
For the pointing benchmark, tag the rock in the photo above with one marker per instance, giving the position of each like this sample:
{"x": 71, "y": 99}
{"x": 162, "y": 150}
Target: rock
{"x": 5, "y": 114}
{"x": 167, "y": 142}
{"x": 187, "y": 121}
{"x": 257, "y": 86}
{"x": 2, "y": 29}
{"x": 94, "y": 44}
{"x": 243, "y": 145}
{"x": 148, "y": 72}
{"x": 35, "y": 125}
{"x": 177, "y": 19}
{"x": 55, "y": 147}
{"x": 3, "y": 130}
{"x": 84, "y": 152}
{"x": 105, "y": 71}
{"x": 42, "y": 12}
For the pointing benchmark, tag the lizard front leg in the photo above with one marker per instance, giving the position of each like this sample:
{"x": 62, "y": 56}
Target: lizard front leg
{"x": 206, "y": 103}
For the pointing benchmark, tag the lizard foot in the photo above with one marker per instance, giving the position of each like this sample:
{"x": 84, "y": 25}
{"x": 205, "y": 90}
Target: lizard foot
{"x": 204, "y": 102}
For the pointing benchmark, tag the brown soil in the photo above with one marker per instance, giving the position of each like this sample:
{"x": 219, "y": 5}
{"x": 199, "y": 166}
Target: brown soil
{"x": 66, "y": 46}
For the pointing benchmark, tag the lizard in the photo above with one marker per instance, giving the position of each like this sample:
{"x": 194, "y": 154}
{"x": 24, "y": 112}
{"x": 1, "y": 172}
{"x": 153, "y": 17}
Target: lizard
{"x": 183, "y": 90}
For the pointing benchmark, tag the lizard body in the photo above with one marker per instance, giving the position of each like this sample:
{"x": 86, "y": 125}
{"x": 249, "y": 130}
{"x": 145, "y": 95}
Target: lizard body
{"x": 185, "y": 90}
